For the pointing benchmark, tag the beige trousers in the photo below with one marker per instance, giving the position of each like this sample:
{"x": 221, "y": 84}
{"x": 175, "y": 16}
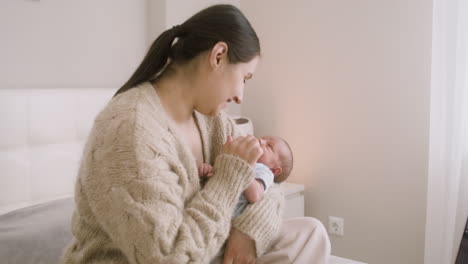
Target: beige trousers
{"x": 302, "y": 240}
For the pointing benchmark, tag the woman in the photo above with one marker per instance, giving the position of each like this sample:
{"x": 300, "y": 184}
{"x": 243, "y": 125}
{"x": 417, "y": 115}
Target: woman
{"x": 138, "y": 195}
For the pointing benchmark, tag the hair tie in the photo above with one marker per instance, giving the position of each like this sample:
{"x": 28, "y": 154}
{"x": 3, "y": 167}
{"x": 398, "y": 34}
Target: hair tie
{"x": 177, "y": 29}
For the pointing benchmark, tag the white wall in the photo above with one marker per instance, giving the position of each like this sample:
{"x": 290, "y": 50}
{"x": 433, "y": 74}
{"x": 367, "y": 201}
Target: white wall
{"x": 347, "y": 83}
{"x": 156, "y": 11}
{"x": 70, "y": 44}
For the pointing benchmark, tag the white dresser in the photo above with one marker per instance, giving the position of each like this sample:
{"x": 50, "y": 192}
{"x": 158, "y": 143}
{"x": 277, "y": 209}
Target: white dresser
{"x": 294, "y": 196}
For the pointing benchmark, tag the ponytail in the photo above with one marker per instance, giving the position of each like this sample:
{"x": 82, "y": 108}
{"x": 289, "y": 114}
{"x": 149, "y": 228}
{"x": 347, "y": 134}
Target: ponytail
{"x": 154, "y": 61}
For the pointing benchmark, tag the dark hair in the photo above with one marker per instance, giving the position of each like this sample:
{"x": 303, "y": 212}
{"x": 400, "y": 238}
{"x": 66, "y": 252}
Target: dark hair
{"x": 286, "y": 164}
{"x": 198, "y": 34}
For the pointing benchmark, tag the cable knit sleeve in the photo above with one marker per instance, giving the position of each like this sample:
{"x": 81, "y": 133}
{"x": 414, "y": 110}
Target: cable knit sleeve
{"x": 261, "y": 220}
{"x": 134, "y": 191}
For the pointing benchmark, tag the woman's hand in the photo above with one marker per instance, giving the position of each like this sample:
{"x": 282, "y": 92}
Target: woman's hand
{"x": 247, "y": 148}
{"x": 240, "y": 249}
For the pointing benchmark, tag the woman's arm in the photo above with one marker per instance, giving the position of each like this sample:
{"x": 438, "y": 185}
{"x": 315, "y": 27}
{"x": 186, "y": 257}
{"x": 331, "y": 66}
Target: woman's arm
{"x": 135, "y": 193}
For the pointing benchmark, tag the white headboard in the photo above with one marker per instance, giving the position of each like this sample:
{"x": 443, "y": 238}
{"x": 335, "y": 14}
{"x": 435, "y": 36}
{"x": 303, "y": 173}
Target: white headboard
{"x": 42, "y": 136}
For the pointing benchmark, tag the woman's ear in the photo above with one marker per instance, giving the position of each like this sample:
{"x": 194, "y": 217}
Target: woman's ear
{"x": 218, "y": 54}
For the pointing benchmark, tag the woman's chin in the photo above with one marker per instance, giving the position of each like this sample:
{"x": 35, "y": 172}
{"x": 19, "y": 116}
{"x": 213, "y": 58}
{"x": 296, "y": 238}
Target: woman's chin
{"x": 214, "y": 112}
{"x": 211, "y": 112}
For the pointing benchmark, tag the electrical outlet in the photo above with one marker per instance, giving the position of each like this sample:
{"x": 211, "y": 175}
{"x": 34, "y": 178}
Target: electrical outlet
{"x": 336, "y": 225}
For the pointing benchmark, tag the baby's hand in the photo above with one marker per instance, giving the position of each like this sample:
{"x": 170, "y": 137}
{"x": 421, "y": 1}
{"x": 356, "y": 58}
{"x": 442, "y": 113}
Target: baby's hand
{"x": 205, "y": 170}
{"x": 246, "y": 147}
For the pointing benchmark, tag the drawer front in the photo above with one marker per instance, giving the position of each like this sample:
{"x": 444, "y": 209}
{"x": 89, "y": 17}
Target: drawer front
{"x": 294, "y": 206}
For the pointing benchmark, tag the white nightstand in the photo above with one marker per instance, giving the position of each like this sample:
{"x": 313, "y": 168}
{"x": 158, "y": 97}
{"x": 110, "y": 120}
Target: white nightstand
{"x": 294, "y": 196}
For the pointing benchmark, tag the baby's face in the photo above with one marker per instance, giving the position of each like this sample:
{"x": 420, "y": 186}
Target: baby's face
{"x": 273, "y": 149}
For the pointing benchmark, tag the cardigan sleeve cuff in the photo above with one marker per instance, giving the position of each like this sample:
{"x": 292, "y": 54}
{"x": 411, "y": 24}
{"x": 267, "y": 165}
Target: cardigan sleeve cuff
{"x": 261, "y": 221}
{"x": 231, "y": 176}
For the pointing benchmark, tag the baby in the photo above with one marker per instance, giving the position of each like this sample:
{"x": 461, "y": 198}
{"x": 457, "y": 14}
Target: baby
{"x": 274, "y": 165}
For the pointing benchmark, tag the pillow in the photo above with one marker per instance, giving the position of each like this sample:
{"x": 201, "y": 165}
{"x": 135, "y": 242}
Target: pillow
{"x": 36, "y": 234}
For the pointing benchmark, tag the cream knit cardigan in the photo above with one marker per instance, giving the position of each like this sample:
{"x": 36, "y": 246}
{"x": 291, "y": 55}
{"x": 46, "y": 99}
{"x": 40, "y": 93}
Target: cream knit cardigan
{"x": 138, "y": 197}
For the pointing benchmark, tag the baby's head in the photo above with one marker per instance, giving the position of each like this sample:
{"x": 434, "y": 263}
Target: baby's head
{"x": 277, "y": 156}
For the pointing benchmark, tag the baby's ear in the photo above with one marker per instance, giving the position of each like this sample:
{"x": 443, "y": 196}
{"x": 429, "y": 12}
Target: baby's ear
{"x": 276, "y": 171}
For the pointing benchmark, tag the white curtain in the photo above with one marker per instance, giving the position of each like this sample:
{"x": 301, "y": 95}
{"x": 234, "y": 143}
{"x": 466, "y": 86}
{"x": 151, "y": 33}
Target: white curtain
{"x": 447, "y": 200}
